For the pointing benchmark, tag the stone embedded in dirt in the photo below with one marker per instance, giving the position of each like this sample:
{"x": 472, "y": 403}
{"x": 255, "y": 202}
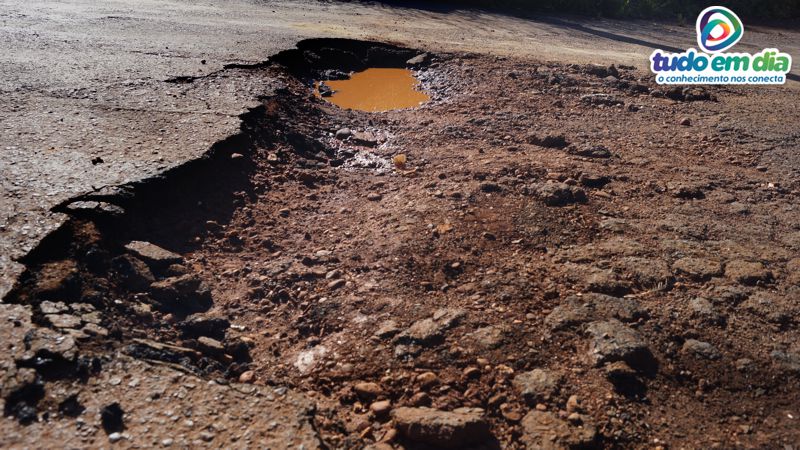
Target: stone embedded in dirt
{"x": 368, "y": 390}
{"x": 698, "y": 269}
{"x": 593, "y": 180}
{"x": 486, "y": 338}
{"x": 58, "y": 278}
{"x": 686, "y": 121}
{"x": 199, "y": 325}
{"x": 619, "y": 371}
{"x": 594, "y": 151}
{"x": 374, "y": 197}
{"x": 612, "y": 341}
{"x": 488, "y": 186}
{"x": 156, "y": 257}
{"x": 686, "y": 190}
{"x": 93, "y": 329}
{"x": 210, "y": 346}
{"x": 787, "y": 360}
{"x": 343, "y": 133}
{"x": 427, "y": 380}
{"x": 336, "y": 284}
{"x": 364, "y": 138}
{"x": 559, "y": 194}
{"x": 457, "y": 429}
{"x": 427, "y": 331}
{"x": 418, "y": 60}
{"x": 63, "y": 320}
{"x": 705, "y": 311}
{"x": 605, "y": 282}
{"x": 132, "y": 272}
{"x": 247, "y": 376}
{"x": 589, "y": 307}
{"x": 48, "y": 307}
{"x": 544, "y": 430}
{"x": 387, "y": 329}
{"x": 771, "y": 307}
{"x": 645, "y": 273}
{"x": 537, "y": 385}
{"x": 549, "y": 141}
{"x": 747, "y": 272}
{"x": 601, "y": 99}
{"x": 186, "y": 293}
{"x": 380, "y": 408}
{"x": 44, "y": 341}
{"x": 700, "y": 349}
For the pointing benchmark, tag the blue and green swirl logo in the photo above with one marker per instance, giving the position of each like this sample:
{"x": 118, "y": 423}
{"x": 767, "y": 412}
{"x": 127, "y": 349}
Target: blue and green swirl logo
{"x": 718, "y": 29}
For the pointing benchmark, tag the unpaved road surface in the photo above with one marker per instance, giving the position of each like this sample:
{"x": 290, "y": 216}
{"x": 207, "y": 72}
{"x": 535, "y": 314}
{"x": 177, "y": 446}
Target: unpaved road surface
{"x": 570, "y": 257}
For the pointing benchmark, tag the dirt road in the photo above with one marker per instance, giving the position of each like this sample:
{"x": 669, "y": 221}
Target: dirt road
{"x": 571, "y": 255}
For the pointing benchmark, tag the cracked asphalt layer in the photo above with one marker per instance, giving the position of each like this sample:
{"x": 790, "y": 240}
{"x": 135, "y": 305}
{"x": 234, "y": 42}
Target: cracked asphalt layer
{"x": 87, "y": 99}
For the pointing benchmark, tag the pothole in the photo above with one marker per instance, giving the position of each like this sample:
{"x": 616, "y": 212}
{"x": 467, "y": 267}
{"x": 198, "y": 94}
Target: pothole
{"x": 373, "y": 90}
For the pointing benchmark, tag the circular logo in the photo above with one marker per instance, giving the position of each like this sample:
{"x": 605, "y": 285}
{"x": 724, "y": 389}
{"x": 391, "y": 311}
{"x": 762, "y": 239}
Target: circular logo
{"x": 718, "y": 29}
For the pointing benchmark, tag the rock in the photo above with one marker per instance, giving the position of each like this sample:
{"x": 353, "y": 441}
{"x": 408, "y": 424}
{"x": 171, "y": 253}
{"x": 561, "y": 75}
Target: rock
{"x": 606, "y": 282}
{"x": 685, "y": 191}
{"x": 199, "y": 325}
{"x": 573, "y": 404}
{"x": 559, "y": 194}
{"x": 787, "y": 360}
{"x": 48, "y": 344}
{"x": 686, "y": 121}
{"x": 747, "y": 272}
{"x": 48, "y": 307}
{"x": 601, "y": 99}
{"x": 593, "y": 180}
{"x": 427, "y": 380}
{"x": 92, "y": 329}
{"x": 343, "y": 133}
{"x": 247, "y": 376}
{"x": 420, "y": 399}
{"x": 387, "y": 329}
{"x": 588, "y": 307}
{"x": 456, "y": 429}
{"x": 595, "y": 151}
{"x": 63, "y": 320}
{"x": 549, "y": 141}
{"x": 770, "y": 306}
{"x": 701, "y": 349}
{"x": 336, "y": 284}
{"x": 418, "y": 60}
{"x": 364, "y": 138}
{"x": 705, "y": 311}
{"x": 381, "y": 408}
{"x": 698, "y": 269}
{"x": 374, "y": 197}
{"x": 612, "y": 341}
{"x": 155, "y": 257}
{"x": 427, "y": 331}
{"x": 368, "y": 390}
{"x": 210, "y": 346}
{"x": 185, "y": 293}
{"x": 645, "y": 273}
{"x": 132, "y": 272}
{"x": 486, "y": 338}
{"x": 488, "y": 186}
{"x": 537, "y": 385}
{"x": 544, "y": 430}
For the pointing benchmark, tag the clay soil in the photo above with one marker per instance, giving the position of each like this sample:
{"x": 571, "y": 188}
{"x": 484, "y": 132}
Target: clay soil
{"x": 528, "y": 188}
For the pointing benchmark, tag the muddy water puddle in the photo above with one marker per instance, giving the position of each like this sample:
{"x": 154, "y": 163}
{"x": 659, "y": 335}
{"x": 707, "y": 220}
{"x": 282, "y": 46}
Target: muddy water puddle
{"x": 374, "y": 90}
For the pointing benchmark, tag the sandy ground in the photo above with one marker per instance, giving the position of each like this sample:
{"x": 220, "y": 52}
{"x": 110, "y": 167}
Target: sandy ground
{"x": 82, "y": 80}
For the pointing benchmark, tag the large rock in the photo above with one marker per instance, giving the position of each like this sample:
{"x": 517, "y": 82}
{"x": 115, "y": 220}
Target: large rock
{"x": 559, "y": 194}
{"x": 537, "y": 385}
{"x": 156, "y": 257}
{"x": 132, "y": 273}
{"x": 593, "y": 306}
{"x": 456, "y": 429}
{"x": 542, "y": 430}
{"x": 431, "y": 330}
{"x": 185, "y": 293}
{"x": 611, "y": 341}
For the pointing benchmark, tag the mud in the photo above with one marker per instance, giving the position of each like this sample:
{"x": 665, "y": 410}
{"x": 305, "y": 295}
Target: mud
{"x": 373, "y": 90}
{"x": 649, "y": 277}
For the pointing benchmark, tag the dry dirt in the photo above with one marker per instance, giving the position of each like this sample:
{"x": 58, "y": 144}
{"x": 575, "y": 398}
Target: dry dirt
{"x": 577, "y": 256}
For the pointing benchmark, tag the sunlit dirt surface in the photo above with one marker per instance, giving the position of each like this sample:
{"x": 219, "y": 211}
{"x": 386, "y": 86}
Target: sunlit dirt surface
{"x": 375, "y": 90}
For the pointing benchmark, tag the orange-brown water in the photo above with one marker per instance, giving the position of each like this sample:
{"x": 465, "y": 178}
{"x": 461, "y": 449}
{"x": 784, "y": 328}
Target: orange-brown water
{"x": 376, "y": 90}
